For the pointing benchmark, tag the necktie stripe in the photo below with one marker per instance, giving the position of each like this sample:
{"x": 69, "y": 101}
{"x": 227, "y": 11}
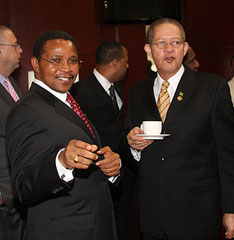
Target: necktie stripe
{"x": 76, "y": 108}
{"x": 163, "y": 100}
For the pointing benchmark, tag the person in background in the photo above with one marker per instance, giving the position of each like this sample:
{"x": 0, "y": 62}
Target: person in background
{"x": 101, "y": 97}
{"x": 11, "y": 213}
{"x": 60, "y": 170}
{"x": 190, "y": 60}
{"x": 186, "y": 179}
{"x": 231, "y": 81}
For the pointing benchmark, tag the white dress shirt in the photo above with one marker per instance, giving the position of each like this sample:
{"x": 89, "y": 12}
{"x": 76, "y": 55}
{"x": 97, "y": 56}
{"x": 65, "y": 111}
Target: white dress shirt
{"x": 106, "y": 85}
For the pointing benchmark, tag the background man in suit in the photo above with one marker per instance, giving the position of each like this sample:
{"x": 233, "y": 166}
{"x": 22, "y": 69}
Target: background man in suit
{"x": 190, "y": 60}
{"x": 11, "y": 223}
{"x": 107, "y": 115}
{"x": 231, "y": 81}
{"x": 183, "y": 178}
{"x": 58, "y": 168}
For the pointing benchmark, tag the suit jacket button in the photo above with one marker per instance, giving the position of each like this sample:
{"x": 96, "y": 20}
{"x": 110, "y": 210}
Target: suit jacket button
{"x": 162, "y": 159}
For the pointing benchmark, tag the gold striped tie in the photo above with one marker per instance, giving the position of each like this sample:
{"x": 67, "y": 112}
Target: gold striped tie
{"x": 163, "y": 100}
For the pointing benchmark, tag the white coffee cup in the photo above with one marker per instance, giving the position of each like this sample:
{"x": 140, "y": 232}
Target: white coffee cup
{"x": 151, "y": 127}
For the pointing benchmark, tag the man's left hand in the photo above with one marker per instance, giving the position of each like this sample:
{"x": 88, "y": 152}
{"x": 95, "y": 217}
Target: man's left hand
{"x": 228, "y": 223}
{"x": 110, "y": 165}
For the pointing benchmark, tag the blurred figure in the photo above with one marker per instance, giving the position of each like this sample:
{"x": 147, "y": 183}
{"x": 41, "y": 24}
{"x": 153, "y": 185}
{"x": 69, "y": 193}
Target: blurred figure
{"x": 101, "y": 97}
{"x": 231, "y": 81}
{"x": 11, "y": 222}
{"x": 190, "y": 60}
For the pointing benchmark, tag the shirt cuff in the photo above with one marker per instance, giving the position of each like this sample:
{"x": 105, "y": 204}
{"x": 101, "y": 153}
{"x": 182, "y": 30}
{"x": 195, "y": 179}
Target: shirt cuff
{"x": 64, "y": 173}
{"x": 113, "y": 178}
{"x": 136, "y": 154}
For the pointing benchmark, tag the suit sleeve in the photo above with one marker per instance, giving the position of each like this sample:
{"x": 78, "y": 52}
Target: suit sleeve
{"x": 222, "y": 121}
{"x": 32, "y": 157}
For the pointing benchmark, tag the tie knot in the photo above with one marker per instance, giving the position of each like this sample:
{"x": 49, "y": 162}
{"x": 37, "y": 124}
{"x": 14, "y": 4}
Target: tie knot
{"x": 70, "y": 99}
{"x": 7, "y": 81}
{"x": 111, "y": 88}
{"x": 165, "y": 84}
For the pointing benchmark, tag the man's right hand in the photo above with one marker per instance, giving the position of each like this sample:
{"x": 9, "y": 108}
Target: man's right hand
{"x": 78, "y": 154}
{"x": 136, "y": 142}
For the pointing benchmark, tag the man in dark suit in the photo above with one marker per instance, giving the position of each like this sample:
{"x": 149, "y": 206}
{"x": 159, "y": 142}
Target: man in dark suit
{"x": 11, "y": 219}
{"x": 59, "y": 169}
{"x": 183, "y": 178}
{"x": 106, "y": 112}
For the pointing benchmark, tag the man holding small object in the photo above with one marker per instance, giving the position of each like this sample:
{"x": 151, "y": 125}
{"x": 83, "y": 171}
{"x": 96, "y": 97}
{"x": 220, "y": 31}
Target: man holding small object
{"x": 183, "y": 178}
{"x": 59, "y": 169}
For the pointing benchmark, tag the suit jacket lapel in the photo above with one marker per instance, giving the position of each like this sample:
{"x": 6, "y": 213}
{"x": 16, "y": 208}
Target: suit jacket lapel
{"x": 183, "y": 93}
{"x": 15, "y": 86}
{"x": 64, "y": 110}
{"x": 6, "y": 95}
{"x": 149, "y": 101}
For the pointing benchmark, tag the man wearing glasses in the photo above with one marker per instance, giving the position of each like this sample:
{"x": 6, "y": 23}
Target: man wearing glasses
{"x": 183, "y": 178}
{"x": 11, "y": 223}
{"x": 59, "y": 168}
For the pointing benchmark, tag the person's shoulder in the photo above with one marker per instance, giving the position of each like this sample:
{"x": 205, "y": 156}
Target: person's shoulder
{"x": 209, "y": 78}
{"x": 82, "y": 83}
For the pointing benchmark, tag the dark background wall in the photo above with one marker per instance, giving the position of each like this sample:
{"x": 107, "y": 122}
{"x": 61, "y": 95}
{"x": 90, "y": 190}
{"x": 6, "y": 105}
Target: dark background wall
{"x": 209, "y": 26}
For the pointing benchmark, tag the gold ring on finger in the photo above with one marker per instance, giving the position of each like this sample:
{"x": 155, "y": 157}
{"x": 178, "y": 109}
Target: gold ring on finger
{"x": 76, "y": 159}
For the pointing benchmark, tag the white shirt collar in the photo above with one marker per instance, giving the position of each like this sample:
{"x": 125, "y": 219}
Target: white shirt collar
{"x": 102, "y": 80}
{"x": 60, "y": 96}
{"x": 174, "y": 81}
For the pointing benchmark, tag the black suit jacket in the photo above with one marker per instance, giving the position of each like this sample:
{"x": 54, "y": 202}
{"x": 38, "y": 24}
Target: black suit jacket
{"x": 43, "y": 125}
{"x": 97, "y": 104}
{"x": 6, "y": 104}
{"x": 183, "y": 178}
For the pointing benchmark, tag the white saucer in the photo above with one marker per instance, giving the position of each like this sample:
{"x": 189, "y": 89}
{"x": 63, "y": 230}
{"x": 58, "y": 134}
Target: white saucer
{"x": 153, "y": 137}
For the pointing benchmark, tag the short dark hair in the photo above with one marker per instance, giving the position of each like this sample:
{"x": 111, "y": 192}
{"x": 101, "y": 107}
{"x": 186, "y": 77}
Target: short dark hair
{"x": 39, "y": 44}
{"x": 108, "y": 51}
{"x": 160, "y": 21}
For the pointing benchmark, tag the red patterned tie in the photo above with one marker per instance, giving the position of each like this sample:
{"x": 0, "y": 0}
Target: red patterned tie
{"x": 76, "y": 108}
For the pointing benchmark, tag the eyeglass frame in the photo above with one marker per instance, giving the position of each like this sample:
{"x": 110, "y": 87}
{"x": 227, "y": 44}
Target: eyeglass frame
{"x": 79, "y": 62}
{"x": 167, "y": 43}
{"x": 15, "y": 45}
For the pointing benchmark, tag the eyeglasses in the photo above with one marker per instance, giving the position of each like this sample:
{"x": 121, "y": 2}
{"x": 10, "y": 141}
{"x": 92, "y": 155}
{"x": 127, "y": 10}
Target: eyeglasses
{"x": 163, "y": 44}
{"x": 16, "y": 45}
{"x": 60, "y": 62}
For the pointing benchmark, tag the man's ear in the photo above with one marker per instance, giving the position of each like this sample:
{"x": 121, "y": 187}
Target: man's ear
{"x": 114, "y": 64}
{"x": 186, "y": 47}
{"x": 147, "y": 49}
{"x": 35, "y": 64}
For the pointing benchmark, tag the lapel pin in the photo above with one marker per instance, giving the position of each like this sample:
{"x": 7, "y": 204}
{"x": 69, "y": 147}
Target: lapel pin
{"x": 180, "y": 97}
